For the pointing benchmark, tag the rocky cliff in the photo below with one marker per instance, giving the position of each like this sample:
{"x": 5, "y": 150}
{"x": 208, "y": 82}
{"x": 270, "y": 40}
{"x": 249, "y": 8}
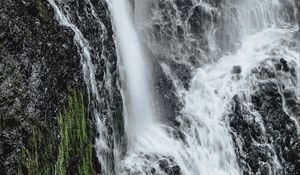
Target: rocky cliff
{"x": 46, "y": 118}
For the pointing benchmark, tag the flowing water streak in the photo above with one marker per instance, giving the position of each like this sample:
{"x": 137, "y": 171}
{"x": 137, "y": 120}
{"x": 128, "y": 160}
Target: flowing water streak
{"x": 143, "y": 130}
{"x": 101, "y": 145}
{"x": 141, "y": 112}
{"x": 298, "y": 50}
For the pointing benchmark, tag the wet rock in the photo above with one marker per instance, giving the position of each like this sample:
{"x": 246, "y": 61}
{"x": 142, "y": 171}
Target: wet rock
{"x": 200, "y": 20}
{"x": 236, "y": 70}
{"x": 178, "y": 134}
{"x": 167, "y": 165}
{"x": 265, "y": 130}
{"x": 39, "y": 62}
{"x": 177, "y": 33}
{"x": 184, "y": 6}
{"x": 168, "y": 104}
{"x": 284, "y": 65}
{"x": 176, "y": 170}
{"x": 164, "y": 164}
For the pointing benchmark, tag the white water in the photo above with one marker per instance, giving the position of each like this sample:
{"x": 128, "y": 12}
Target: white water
{"x": 208, "y": 148}
{"x": 212, "y": 154}
{"x": 139, "y": 100}
{"x": 141, "y": 123}
{"x": 212, "y": 89}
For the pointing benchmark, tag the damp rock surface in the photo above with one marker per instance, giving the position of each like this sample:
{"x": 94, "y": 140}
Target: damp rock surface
{"x": 39, "y": 65}
{"x": 268, "y": 129}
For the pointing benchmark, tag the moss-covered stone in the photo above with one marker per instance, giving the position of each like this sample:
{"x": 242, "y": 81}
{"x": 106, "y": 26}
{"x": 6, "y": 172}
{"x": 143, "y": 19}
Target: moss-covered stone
{"x": 75, "y": 148}
{"x": 38, "y": 155}
{"x": 65, "y": 150}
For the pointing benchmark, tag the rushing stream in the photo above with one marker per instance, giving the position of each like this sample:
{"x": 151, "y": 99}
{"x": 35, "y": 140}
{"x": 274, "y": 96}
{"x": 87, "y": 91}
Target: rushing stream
{"x": 215, "y": 56}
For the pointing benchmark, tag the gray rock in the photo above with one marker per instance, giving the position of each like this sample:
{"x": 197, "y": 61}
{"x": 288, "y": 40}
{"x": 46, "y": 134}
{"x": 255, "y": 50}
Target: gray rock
{"x": 236, "y": 70}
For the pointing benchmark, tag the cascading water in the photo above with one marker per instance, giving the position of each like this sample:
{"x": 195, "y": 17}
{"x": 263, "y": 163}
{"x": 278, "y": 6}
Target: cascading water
{"x": 216, "y": 56}
{"x": 202, "y": 143}
{"x": 142, "y": 122}
{"x": 134, "y": 64}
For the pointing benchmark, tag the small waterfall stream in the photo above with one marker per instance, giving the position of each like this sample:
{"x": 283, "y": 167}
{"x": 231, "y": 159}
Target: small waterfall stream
{"x": 135, "y": 67}
{"x": 221, "y": 44}
{"x": 102, "y": 145}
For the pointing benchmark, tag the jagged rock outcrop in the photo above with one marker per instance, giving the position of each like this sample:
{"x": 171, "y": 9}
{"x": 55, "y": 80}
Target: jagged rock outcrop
{"x": 266, "y": 132}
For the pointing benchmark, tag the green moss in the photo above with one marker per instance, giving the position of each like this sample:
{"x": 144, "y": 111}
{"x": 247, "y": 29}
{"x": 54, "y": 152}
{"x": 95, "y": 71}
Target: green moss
{"x": 38, "y": 155}
{"x": 44, "y": 154}
{"x": 75, "y": 149}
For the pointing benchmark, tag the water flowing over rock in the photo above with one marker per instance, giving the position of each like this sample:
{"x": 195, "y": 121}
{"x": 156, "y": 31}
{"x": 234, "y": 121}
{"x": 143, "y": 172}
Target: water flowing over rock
{"x": 267, "y": 131}
{"x": 150, "y": 87}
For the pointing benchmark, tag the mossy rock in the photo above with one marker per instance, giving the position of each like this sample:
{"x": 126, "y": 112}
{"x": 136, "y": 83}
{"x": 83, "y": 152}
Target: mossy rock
{"x": 39, "y": 153}
{"x": 75, "y": 148}
{"x": 66, "y": 149}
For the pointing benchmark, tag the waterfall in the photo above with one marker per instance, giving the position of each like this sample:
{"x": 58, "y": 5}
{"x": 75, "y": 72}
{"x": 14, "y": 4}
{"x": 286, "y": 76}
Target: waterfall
{"x": 213, "y": 57}
{"x": 135, "y": 67}
{"x": 239, "y": 35}
{"x": 153, "y": 141}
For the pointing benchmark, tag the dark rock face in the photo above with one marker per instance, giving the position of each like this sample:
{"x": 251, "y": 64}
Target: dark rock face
{"x": 266, "y": 132}
{"x": 163, "y": 84}
{"x": 200, "y": 27}
{"x": 39, "y": 62}
{"x": 93, "y": 20}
